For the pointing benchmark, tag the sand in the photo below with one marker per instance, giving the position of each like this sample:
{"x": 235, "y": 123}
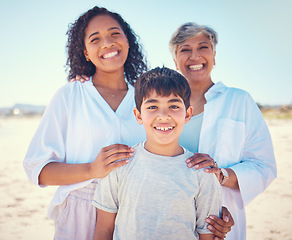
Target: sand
{"x": 23, "y": 206}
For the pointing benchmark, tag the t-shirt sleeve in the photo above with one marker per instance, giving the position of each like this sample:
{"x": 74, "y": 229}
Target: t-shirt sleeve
{"x": 106, "y": 193}
{"x": 208, "y": 200}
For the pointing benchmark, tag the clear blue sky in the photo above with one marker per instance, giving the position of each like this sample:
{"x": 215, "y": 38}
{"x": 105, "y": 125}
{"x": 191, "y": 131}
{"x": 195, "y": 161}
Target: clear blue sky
{"x": 254, "y": 50}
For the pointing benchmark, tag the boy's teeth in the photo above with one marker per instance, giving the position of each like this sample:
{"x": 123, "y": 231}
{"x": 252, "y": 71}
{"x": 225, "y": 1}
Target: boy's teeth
{"x": 164, "y": 128}
{"x": 196, "y": 67}
{"x": 111, "y": 54}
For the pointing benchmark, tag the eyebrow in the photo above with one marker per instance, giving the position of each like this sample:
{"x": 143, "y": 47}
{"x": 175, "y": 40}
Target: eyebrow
{"x": 112, "y": 28}
{"x": 204, "y": 42}
{"x": 187, "y": 45}
{"x": 151, "y": 100}
{"x": 175, "y": 100}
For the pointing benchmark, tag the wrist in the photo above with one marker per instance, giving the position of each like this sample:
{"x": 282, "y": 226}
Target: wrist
{"x": 224, "y": 176}
{"x": 89, "y": 170}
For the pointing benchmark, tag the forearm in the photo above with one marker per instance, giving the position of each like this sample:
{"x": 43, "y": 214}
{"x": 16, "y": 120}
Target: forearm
{"x": 109, "y": 158}
{"x": 102, "y": 235}
{"x": 105, "y": 224}
{"x": 56, "y": 173}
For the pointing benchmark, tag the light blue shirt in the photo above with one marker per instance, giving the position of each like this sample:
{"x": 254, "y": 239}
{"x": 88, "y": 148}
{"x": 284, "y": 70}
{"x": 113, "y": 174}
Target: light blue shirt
{"x": 190, "y": 135}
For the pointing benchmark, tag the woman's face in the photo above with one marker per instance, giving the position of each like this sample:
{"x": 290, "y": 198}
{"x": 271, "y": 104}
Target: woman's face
{"x": 195, "y": 58}
{"x": 106, "y": 44}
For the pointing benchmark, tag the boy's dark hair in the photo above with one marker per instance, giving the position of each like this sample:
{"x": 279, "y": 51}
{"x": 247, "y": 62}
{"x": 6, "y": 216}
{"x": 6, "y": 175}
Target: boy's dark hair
{"x": 76, "y": 62}
{"x": 164, "y": 82}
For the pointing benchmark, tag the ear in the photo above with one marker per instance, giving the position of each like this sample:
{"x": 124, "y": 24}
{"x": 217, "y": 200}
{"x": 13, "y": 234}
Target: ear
{"x": 86, "y": 55}
{"x": 214, "y": 58}
{"x": 189, "y": 114}
{"x": 138, "y": 116}
{"x": 176, "y": 64}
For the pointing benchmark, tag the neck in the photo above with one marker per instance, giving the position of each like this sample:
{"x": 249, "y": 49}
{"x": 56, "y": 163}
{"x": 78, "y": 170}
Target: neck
{"x": 111, "y": 86}
{"x": 200, "y": 88}
{"x": 198, "y": 100}
{"x": 111, "y": 80}
{"x": 164, "y": 150}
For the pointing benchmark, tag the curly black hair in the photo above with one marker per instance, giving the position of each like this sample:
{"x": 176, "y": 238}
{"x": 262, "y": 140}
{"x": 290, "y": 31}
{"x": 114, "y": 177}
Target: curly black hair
{"x": 76, "y": 63}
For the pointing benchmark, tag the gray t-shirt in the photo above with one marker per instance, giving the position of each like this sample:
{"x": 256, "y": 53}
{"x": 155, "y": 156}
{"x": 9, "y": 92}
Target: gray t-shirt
{"x": 159, "y": 197}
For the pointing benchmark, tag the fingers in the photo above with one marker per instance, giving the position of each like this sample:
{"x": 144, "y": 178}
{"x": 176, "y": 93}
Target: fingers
{"x": 115, "y": 152}
{"x": 80, "y": 78}
{"x": 227, "y": 217}
{"x": 200, "y": 160}
{"x": 217, "y": 238}
{"x": 215, "y": 170}
{"x": 117, "y": 146}
{"x": 117, "y": 164}
{"x": 220, "y": 227}
{"x": 110, "y": 157}
{"x": 216, "y": 226}
{"x": 84, "y": 78}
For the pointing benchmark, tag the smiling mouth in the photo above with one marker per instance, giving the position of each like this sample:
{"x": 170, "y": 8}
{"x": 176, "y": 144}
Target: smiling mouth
{"x": 196, "y": 67}
{"x": 109, "y": 55}
{"x": 164, "y": 128}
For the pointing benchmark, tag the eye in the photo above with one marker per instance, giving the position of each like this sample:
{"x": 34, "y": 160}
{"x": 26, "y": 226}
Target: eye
{"x": 174, "y": 106}
{"x": 184, "y": 50}
{"x": 114, "y": 34}
{"x": 203, "y": 47}
{"x": 152, "y": 107}
{"x": 94, "y": 40}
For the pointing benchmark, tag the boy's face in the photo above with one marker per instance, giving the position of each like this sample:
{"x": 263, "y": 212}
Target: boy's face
{"x": 163, "y": 119}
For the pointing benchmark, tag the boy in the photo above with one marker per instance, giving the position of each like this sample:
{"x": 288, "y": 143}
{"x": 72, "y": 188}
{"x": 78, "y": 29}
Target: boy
{"x": 155, "y": 196}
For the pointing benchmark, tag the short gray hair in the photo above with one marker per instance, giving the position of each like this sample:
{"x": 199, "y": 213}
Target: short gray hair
{"x": 190, "y": 30}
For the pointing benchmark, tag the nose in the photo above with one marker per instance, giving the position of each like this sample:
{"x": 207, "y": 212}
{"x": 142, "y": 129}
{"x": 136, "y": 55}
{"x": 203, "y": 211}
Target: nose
{"x": 195, "y": 55}
{"x": 107, "y": 42}
{"x": 163, "y": 115}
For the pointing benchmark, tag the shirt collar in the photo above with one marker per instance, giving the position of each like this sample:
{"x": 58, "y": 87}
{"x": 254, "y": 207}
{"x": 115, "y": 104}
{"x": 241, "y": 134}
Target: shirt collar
{"x": 215, "y": 90}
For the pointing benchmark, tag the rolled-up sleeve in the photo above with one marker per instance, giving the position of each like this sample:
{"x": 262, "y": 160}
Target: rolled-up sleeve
{"x": 258, "y": 163}
{"x": 48, "y": 142}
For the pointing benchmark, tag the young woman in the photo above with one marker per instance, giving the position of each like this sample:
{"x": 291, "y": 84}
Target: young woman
{"x": 75, "y": 142}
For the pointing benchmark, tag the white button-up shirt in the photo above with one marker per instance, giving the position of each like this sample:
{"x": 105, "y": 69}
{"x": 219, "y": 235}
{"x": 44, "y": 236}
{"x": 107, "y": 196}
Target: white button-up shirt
{"x": 77, "y": 123}
{"x": 235, "y": 135}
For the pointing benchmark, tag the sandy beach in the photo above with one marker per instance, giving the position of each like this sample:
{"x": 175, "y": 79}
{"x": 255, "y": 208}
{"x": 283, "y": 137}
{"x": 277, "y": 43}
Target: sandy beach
{"x": 23, "y": 206}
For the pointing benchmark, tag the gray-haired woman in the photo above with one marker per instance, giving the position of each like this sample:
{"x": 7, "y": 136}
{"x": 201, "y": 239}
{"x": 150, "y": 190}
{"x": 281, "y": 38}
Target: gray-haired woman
{"x": 227, "y": 129}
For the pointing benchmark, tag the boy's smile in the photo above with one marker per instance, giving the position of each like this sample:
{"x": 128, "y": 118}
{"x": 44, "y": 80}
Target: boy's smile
{"x": 163, "y": 118}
